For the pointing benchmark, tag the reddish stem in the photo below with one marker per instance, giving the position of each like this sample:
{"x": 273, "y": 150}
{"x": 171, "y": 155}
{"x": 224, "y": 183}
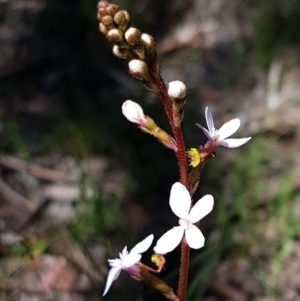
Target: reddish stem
{"x": 184, "y": 179}
{"x": 180, "y": 152}
{"x": 184, "y": 270}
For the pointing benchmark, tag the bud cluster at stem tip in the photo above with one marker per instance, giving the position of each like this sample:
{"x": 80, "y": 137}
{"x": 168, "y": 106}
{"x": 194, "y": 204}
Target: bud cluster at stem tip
{"x": 129, "y": 42}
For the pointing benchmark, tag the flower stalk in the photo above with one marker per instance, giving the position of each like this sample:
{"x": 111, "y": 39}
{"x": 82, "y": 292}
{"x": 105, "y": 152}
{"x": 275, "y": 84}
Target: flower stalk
{"x": 138, "y": 49}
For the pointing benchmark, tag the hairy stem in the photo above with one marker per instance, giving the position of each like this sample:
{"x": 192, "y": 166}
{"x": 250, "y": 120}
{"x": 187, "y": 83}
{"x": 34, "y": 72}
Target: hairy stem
{"x": 180, "y": 152}
{"x": 184, "y": 269}
{"x": 183, "y": 172}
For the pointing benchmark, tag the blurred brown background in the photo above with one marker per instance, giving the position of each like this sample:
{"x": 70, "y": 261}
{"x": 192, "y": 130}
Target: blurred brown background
{"x": 78, "y": 181}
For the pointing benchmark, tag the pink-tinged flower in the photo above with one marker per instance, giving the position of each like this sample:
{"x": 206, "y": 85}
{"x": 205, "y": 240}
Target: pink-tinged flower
{"x": 127, "y": 262}
{"x": 180, "y": 203}
{"x": 220, "y": 136}
{"x": 133, "y": 112}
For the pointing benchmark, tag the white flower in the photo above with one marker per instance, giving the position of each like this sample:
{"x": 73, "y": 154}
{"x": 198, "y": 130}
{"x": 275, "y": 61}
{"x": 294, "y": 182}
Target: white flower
{"x": 133, "y": 112}
{"x": 180, "y": 203}
{"x": 226, "y": 130}
{"x": 127, "y": 262}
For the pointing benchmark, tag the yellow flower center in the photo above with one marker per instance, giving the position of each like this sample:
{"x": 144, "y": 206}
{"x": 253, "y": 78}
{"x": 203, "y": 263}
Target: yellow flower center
{"x": 194, "y": 156}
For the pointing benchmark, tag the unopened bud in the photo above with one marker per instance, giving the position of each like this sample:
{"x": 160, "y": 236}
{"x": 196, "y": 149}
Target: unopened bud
{"x": 112, "y": 9}
{"x": 147, "y": 41}
{"x": 101, "y": 12}
{"x": 126, "y": 15}
{"x": 132, "y": 36}
{"x": 102, "y": 3}
{"x": 133, "y": 112}
{"x": 177, "y": 93}
{"x": 177, "y": 90}
{"x": 120, "y": 17}
{"x": 107, "y": 20}
{"x": 115, "y": 35}
{"x": 103, "y": 29}
{"x": 138, "y": 69}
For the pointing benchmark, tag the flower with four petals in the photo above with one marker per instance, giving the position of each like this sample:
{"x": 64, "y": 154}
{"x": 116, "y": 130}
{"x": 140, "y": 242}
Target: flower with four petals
{"x": 180, "y": 203}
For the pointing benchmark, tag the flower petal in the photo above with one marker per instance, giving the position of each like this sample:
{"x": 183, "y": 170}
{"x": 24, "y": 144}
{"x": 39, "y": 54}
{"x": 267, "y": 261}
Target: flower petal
{"x": 201, "y": 208}
{"x": 131, "y": 260}
{"x": 143, "y": 246}
{"x": 228, "y": 128}
{"x": 169, "y": 241}
{"x": 180, "y": 200}
{"x": 194, "y": 237}
{"x": 112, "y": 276}
{"x": 233, "y": 143}
{"x": 205, "y": 131}
{"x": 209, "y": 120}
{"x": 124, "y": 253}
{"x": 115, "y": 263}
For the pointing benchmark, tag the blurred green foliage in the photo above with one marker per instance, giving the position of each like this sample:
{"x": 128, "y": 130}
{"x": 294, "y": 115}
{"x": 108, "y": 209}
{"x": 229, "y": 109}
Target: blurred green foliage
{"x": 248, "y": 225}
{"x": 276, "y": 25}
{"x": 12, "y": 140}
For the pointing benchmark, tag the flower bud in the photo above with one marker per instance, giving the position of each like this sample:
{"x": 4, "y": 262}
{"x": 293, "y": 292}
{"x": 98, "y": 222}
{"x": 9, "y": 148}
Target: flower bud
{"x": 133, "y": 112}
{"x": 112, "y": 9}
{"x": 102, "y": 3}
{"x": 147, "y": 41}
{"x": 103, "y": 29}
{"x": 132, "y": 36}
{"x": 101, "y": 12}
{"x": 138, "y": 69}
{"x": 115, "y": 35}
{"x": 120, "y": 17}
{"x": 107, "y": 20}
{"x": 177, "y": 93}
{"x": 177, "y": 90}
